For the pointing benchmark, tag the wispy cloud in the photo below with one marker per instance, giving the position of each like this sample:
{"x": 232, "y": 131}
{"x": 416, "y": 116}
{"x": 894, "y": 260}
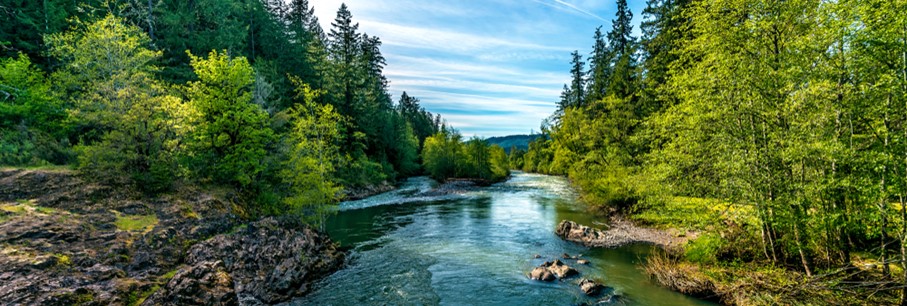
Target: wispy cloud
{"x": 490, "y": 67}
{"x": 559, "y": 4}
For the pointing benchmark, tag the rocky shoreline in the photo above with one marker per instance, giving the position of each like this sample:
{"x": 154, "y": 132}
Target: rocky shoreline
{"x": 64, "y": 241}
{"x": 620, "y": 232}
{"x": 353, "y": 194}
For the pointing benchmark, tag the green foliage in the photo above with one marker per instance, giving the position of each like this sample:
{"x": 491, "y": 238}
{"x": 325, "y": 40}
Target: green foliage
{"x": 315, "y": 152}
{"x": 446, "y": 156}
{"x": 704, "y": 249}
{"x": 231, "y": 133}
{"x": 129, "y": 123}
{"x": 31, "y": 119}
{"x": 441, "y": 154}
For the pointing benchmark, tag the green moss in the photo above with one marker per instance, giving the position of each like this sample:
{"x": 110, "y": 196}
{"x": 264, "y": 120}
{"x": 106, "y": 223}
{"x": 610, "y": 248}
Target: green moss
{"x": 187, "y": 212}
{"x": 45, "y": 210}
{"x": 63, "y": 260}
{"x": 169, "y": 275}
{"x": 14, "y": 209}
{"x": 26, "y": 206}
{"x": 138, "y": 297}
{"x": 47, "y": 167}
{"x": 143, "y": 223}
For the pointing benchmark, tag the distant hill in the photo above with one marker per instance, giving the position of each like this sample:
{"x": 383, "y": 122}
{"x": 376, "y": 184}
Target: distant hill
{"x": 519, "y": 141}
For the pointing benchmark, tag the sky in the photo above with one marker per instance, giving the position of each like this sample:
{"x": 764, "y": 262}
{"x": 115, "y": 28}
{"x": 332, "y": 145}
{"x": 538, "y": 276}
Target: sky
{"x": 489, "y": 67}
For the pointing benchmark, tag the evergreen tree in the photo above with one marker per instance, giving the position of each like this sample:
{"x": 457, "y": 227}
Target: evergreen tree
{"x": 599, "y": 67}
{"x": 664, "y": 30}
{"x": 623, "y": 50}
{"x": 577, "y": 97}
{"x": 343, "y": 49}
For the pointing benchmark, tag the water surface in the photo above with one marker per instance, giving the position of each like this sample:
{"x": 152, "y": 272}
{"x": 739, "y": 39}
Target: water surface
{"x": 474, "y": 249}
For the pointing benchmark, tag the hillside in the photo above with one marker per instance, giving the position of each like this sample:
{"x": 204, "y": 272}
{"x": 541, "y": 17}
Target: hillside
{"x": 518, "y": 141}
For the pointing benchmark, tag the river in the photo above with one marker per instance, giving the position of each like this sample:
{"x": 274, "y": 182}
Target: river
{"x": 475, "y": 249}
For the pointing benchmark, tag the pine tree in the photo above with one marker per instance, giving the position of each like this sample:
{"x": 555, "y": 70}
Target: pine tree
{"x": 623, "y": 50}
{"x": 664, "y": 31}
{"x": 599, "y": 67}
{"x": 577, "y": 97}
{"x": 343, "y": 48}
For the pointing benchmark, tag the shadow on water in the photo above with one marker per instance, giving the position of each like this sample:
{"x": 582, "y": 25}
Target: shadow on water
{"x": 475, "y": 249}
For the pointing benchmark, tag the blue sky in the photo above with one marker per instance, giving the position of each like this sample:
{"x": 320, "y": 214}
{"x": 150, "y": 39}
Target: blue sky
{"x": 490, "y": 67}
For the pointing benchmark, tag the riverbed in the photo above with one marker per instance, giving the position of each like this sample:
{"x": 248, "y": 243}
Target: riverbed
{"x": 475, "y": 248}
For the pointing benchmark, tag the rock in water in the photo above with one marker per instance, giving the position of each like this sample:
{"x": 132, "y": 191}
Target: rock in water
{"x": 572, "y": 231}
{"x": 542, "y": 274}
{"x": 269, "y": 262}
{"x": 590, "y": 288}
{"x": 559, "y": 269}
{"x": 582, "y": 262}
{"x": 548, "y": 271}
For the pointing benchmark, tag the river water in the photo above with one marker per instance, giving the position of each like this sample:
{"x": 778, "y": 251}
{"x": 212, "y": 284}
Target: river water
{"x": 475, "y": 249}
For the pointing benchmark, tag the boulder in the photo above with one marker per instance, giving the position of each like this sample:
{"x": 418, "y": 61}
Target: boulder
{"x": 590, "y": 287}
{"x": 270, "y": 261}
{"x": 582, "y": 262}
{"x": 559, "y": 269}
{"x": 542, "y": 274}
{"x": 205, "y": 283}
{"x": 572, "y": 231}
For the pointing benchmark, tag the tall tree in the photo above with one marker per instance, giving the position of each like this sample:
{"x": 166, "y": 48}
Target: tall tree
{"x": 344, "y": 51}
{"x": 577, "y": 97}
{"x": 599, "y": 67}
{"x": 623, "y": 50}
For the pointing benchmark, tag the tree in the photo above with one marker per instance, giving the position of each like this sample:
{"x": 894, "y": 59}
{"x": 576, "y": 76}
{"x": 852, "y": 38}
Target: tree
{"x": 441, "y": 154}
{"x": 664, "y": 30}
{"x": 577, "y": 96}
{"x": 315, "y": 154}
{"x": 128, "y": 122}
{"x": 199, "y": 26}
{"x": 231, "y": 133}
{"x": 623, "y": 49}
{"x": 32, "y": 129}
{"x": 344, "y": 51}
{"x": 599, "y": 67}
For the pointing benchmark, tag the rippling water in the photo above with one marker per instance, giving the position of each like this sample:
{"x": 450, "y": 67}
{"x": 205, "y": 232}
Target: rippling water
{"x": 474, "y": 249}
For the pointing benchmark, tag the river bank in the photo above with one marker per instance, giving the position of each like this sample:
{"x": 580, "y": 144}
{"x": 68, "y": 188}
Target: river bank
{"x": 65, "y": 241}
{"x": 427, "y": 243}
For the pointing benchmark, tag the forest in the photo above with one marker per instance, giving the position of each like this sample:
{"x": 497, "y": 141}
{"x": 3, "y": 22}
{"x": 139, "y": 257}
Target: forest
{"x": 776, "y": 128}
{"x": 251, "y": 95}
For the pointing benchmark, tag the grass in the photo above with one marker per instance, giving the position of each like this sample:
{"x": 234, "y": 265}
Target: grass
{"x": 756, "y": 284}
{"x": 696, "y": 214}
{"x": 136, "y": 223}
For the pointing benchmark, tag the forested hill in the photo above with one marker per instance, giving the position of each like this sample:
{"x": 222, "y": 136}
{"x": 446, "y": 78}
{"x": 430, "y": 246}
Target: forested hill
{"x": 521, "y": 142}
{"x": 250, "y": 95}
{"x": 777, "y": 128}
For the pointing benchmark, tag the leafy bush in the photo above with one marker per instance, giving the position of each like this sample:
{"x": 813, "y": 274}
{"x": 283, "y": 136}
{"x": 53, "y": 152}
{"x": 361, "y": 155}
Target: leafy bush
{"x": 704, "y": 249}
